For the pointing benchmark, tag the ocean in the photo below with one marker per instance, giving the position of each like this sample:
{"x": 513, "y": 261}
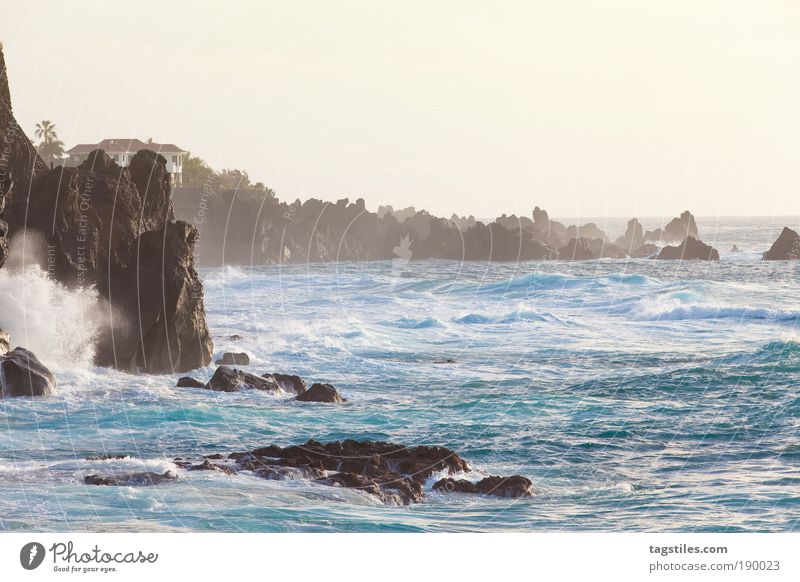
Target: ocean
{"x": 637, "y": 395}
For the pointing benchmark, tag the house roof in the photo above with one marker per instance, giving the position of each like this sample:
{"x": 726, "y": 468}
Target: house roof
{"x": 121, "y": 146}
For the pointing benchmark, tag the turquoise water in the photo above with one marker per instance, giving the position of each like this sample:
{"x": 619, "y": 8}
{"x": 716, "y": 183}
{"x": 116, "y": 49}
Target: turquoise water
{"x": 636, "y": 395}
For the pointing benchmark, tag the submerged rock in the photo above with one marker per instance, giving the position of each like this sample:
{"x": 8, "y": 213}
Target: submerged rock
{"x": 321, "y": 393}
{"x": 22, "y": 374}
{"x": 785, "y": 248}
{"x": 131, "y": 479}
{"x": 514, "y": 486}
{"x": 188, "y": 382}
{"x": 227, "y": 379}
{"x": 689, "y": 250}
{"x": 234, "y": 359}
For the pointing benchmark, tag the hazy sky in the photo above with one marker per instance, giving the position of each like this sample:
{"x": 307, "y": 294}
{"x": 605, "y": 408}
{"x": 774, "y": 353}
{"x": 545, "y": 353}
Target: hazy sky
{"x": 585, "y": 108}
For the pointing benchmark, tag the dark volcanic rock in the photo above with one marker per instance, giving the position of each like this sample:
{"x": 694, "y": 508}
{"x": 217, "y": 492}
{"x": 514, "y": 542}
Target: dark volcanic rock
{"x": 189, "y": 382}
{"x": 131, "y": 479}
{"x": 689, "y": 250}
{"x": 22, "y": 374}
{"x": 164, "y": 326}
{"x": 785, "y": 248}
{"x": 393, "y": 473}
{"x": 227, "y": 379}
{"x": 321, "y": 393}
{"x": 289, "y": 382}
{"x": 576, "y": 250}
{"x": 234, "y": 359}
{"x": 514, "y": 486}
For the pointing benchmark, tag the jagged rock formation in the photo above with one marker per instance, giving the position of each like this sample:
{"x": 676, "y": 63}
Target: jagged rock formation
{"x": 681, "y": 227}
{"x": 114, "y": 228}
{"x": 689, "y": 250}
{"x": 785, "y": 248}
{"x": 633, "y": 237}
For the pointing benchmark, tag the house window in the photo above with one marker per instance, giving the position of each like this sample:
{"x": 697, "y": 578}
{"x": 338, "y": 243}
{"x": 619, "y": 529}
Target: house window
{"x": 174, "y": 159}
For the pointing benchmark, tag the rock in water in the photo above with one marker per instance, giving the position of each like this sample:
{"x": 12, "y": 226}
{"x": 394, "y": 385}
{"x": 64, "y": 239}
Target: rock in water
{"x": 514, "y": 486}
{"x": 164, "y": 327}
{"x": 785, "y": 248}
{"x": 289, "y": 382}
{"x": 633, "y": 237}
{"x": 321, "y": 393}
{"x": 681, "y": 227}
{"x": 234, "y": 359}
{"x": 689, "y": 250}
{"x": 576, "y": 250}
{"x": 131, "y": 479}
{"x": 188, "y": 382}
{"x": 22, "y": 374}
{"x": 227, "y": 379}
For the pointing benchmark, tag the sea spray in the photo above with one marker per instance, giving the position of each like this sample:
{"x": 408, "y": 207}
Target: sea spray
{"x": 59, "y": 325}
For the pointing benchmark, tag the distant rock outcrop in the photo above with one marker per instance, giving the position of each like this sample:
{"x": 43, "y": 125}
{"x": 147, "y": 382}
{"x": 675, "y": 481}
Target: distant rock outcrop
{"x": 681, "y": 227}
{"x": 633, "y": 237}
{"x": 689, "y": 250}
{"x": 577, "y": 250}
{"x": 785, "y": 248}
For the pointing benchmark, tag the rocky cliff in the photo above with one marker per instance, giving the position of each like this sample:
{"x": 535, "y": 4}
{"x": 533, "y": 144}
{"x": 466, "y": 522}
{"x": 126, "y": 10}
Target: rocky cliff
{"x": 113, "y": 228}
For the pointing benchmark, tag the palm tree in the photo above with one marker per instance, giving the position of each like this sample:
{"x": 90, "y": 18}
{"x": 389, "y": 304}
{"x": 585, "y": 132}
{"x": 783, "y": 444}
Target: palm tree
{"x": 50, "y": 147}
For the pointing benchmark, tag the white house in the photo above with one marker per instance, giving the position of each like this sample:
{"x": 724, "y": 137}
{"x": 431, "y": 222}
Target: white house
{"x": 122, "y": 150}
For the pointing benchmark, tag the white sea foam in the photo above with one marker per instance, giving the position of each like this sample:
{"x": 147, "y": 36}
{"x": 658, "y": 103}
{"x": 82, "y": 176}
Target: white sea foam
{"x": 59, "y": 325}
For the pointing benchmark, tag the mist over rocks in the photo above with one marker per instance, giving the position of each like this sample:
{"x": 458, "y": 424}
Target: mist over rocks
{"x": 785, "y": 248}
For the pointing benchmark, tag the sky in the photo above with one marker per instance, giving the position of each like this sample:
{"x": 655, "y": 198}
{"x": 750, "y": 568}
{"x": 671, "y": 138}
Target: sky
{"x": 587, "y": 109}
